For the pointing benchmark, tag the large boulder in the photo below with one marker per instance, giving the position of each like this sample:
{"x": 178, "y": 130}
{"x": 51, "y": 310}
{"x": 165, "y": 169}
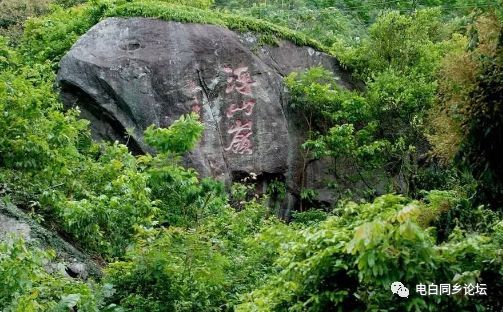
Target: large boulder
{"x": 131, "y": 73}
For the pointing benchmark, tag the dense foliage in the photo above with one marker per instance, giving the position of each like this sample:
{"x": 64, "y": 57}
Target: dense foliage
{"x": 27, "y": 286}
{"x": 344, "y": 262}
{"x": 426, "y": 119}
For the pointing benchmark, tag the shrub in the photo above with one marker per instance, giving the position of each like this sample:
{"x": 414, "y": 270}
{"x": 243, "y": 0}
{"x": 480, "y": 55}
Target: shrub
{"x": 348, "y": 262}
{"x": 202, "y": 269}
{"x": 13, "y": 14}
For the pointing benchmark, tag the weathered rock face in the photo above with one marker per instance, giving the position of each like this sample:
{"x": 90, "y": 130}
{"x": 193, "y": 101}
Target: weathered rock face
{"x": 16, "y": 224}
{"x": 131, "y": 73}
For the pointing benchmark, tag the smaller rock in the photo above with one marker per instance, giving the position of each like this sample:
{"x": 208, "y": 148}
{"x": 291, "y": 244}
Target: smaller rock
{"x": 69, "y": 260}
{"x": 12, "y": 227}
{"x": 76, "y": 270}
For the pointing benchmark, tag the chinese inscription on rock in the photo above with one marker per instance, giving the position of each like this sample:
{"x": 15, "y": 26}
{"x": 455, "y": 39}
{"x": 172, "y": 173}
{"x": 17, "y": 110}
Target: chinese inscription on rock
{"x": 241, "y": 129}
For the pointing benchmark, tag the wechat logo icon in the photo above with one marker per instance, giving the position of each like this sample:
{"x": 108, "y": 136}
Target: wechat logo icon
{"x": 399, "y": 289}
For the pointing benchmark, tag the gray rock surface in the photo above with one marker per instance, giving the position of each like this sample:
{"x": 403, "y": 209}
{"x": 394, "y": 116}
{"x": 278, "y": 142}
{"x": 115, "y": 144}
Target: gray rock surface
{"x": 131, "y": 73}
{"x": 15, "y": 224}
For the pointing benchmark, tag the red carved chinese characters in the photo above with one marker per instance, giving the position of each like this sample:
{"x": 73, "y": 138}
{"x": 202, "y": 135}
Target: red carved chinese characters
{"x": 240, "y": 81}
{"x": 194, "y": 90}
{"x": 196, "y": 108}
{"x": 246, "y": 106}
{"x": 240, "y": 143}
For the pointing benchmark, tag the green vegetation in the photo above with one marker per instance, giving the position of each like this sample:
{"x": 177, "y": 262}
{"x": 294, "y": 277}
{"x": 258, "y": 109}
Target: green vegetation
{"x": 49, "y": 37}
{"x": 347, "y": 260}
{"x": 382, "y": 127}
{"x": 430, "y": 113}
{"x": 327, "y": 25}
{"x": 13, "y": 13}
{"x": 27, "y": 286}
